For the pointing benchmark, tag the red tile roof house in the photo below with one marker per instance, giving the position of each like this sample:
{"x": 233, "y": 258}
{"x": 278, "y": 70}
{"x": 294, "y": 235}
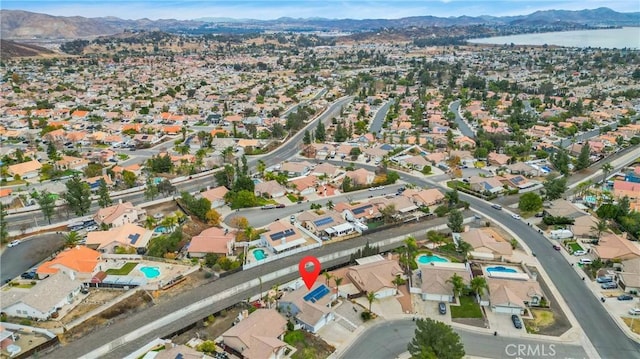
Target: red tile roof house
{"x": 128, "y": 236}
{"x": 25, "y": 170}
{"x": 304, "y": 186}
{"x": 311, "y": 313}
{"x": 43, "y": 300}
{"x": 71, "y": 163}
{"x": 435, "y": 285}
{"x": 212, "y": 240}
{"x": 215, "y": 196}
{"x": 258, "y": 336}
{"x": 498, "y": 159}
{"x": 270, "y": 189}
{"x": 481, "y": 184}
{"x": 77, "y": 262}
{"x": 376, "y": 277}
{"x": 281, "y": 237}
{"x": 361, "y": 177}
{"x": 119, "y": 214}
{"x": 295, "y": 169}
{"x": 425, "y": 197}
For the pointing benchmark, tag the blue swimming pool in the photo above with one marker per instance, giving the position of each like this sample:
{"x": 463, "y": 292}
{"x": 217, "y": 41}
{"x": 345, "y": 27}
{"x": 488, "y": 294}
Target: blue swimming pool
{"x": 426, "y": 259}
{"x": 150, "y": 272}
{"x": 160, "y": 229}
{"x": 256, "y": 181}
{"x": 546, "y": 169}
{"x": 259, "y": 254}
{"x": 501, "y": 269}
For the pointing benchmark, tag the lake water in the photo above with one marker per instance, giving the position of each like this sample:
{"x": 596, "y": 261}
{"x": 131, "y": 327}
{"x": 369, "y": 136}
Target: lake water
{"x": 628, "y": 37}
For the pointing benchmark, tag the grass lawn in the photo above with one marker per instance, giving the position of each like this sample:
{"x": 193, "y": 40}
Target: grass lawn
{"x": 308, "y": 346}
{"x": 468, "y": 309}
{"x": 124, "y": 270}
{"x": 575, "y": 246}
{"x": 541, "y": 319}
{"x": 294, "y": 337}
{"x": 373, "y": 225}
{"x": 292, "y": 197}
{"x": 636, "y": 324}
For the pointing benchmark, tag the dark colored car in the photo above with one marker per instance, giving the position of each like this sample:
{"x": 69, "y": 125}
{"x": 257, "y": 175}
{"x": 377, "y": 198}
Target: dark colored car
{"x": 280, "y": 205}
{"x": 442, "y": 308}
{"x": 28, "y": 275}
{"x": 516, "y": 321}
{"x": 625, "y": 297}
{"x": 610, "y": 285}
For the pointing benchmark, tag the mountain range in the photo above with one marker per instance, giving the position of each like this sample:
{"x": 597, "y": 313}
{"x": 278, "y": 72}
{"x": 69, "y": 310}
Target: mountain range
{"x": 24, "y": 25}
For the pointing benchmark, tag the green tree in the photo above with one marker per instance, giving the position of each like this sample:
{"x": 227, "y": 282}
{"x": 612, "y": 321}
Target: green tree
{"x": 71, "y": 239}
{"x": 455, "y": 221}
{"x": 104, "y": 199}
{"x": 457, "y": 283}
{"x": 320, "y": 134}
{"x": 371, "y": 297}
{"x": 530, "y": 202}
{"x": 600, "y": 227}
{"x": 129, "y": 178}
{"x": 478, "y": 285}
{"x": 606, "y": 169}
{"x": 435, "y": 340}
{"x": 47, "y": 203}
{"x": 583, "y": 158}
{"x": 78, "y": 196}
{"x": 389, "y": 213}
{"x": 166, "y": 187}
{"x": 338, "y": 281}
{"x": 4, "y": 232}
{"x": 52, "y": 152}
{"x": 307, "y": 137}
{"x": 452, "y": 198}
{"x": 327, "y": 276}
{"x": 150, "y": 190}
{"x": 560, "y": 161}
{"x": 554, "y": 187}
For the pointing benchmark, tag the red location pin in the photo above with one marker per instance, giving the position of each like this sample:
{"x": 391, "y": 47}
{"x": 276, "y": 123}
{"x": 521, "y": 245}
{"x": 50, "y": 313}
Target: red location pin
{"x": 309, "y": 275}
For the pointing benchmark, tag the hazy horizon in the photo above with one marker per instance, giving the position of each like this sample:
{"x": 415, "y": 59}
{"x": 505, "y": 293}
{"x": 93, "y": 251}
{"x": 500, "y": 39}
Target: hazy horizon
{"x": 330, "y": 9}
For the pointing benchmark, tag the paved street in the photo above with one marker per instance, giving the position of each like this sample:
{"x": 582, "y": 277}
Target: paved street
{"x": 105, "y": 335}
{"x": 462, "y": 125}
{"x": 378, "y": 119}
{"x": 16, "y": 260}
{"x": 389, "y": 339}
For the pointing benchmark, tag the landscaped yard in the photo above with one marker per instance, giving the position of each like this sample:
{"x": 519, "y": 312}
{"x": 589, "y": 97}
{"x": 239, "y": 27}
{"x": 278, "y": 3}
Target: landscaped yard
{"x": 468, "y": 308}
{"x": 308, "y": 346}
{"x": 124, "y": 270}
{"x": 575, "y": 246}
{"x": 541, "y": 319}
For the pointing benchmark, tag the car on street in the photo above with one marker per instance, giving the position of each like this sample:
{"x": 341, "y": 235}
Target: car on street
{"x": 610, "y": 285}
{"x": 28, "y": 275}
{"x": 625, "y": 297}
{"x": 604, "y": 279}
{"x": 579, "y": 252}
{"x": 516, "y": 321}
{"x": 634, "y": 311}
{"x": 442, "y": 308}
{"x": 13, "y": 243}
{"x": 268, "y": 206}
{"x": 515, "y": 216}
{"x": 280, "y": 205}
{"x": 556, "y": 247}
{"x": 496, "y": 206}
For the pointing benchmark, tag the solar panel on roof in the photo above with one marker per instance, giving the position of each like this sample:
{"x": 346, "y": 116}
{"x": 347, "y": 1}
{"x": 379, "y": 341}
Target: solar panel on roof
{"x": 134, "y": 238}
{"x": 289, "y": 232}
{"x": 323, "y": 221}
{"x": 362, "y": 209}
{"x": 276, "y": 236}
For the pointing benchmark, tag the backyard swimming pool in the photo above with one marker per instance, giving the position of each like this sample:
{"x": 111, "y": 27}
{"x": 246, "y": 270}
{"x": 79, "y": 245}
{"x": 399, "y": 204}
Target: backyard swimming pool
{"x": 426, "y": 259}
{"x": 501, "y": 269}
{"x": 259, "y": 254}
{"x": 150, "y": 272}
{"x": 160, "y": 229}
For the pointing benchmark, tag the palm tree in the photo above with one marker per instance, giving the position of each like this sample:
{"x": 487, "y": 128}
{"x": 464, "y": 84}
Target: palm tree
{"x": 330, "y": 204}
{"x": 464, "y": 248}
{"x": 478, "y": 285}
{"x": 371, "y": 297}
{"x": 261, "y": 167}
{"x": 599, "y": 228}
{"x": 71, "y": 239}
{"x": 327, "y": 276}
{"x": 150, "y": 222}
{"x": 606, "y": 169}
{"x": 457, "y": 283}
{"x": 169, "y": 222}
{"x": 338, "y": 281}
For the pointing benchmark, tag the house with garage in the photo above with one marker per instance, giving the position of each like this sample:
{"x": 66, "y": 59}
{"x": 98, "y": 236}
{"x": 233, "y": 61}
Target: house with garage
{"x": 281, "y": 237}
{"x": 628, "y": 276}
{"x": 326, "y": 170}
{"x": 377, "y": 276}
{"x": 71, "y": 163}
{"x": 485, "y": 246}
{"x": 119, "y": 214}
{"x": 258, "y": 335}
{"x": 614, "y": 247}
{"x": 327, "y": 224}
{"x": 25, "y": 170}
{"x": 128, "y": 238}
{"x": 78, "y": 262}
{"x": 215, "y": 196}
{"x": 303, "y": 186}
{"x": 424, "y": 198}
{"x": 295, "y": 169}
{"x": 44, "y": 299}
{"x": 310, "y": 308}
{"x": 498, "y": 159}
{"x": 434, "y": 280}
{"x": 513, "y": 296}
{"x": 361, "y": 177}
{"x": 269, "y": 189}
{"x": 361, "y": 212}
{"x": 212, "y": 240}
{"x": 486, "y": 184}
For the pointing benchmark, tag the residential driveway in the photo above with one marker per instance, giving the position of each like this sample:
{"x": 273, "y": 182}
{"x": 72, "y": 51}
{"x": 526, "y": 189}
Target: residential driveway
{"x": 385, "y": 307}
{"x": 335, "y": 334}
{"x": 348, "y": 315}
{"x": 502, "y": 323}
{"x": 429, "y": 308}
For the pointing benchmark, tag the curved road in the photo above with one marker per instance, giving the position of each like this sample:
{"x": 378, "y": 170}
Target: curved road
{"x": 389, "y": 339}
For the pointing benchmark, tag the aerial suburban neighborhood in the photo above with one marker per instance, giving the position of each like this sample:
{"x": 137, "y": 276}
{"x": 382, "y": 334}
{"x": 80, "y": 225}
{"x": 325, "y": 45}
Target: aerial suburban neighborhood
{"x": 159, "y": 187}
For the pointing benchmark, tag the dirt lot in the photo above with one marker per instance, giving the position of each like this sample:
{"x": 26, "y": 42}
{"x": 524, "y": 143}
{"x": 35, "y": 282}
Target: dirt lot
{"x": 164, "y": 208}
{"x": 308, "y": 346}
{"x": 211, "y": 331}
{"x": 95, "y": 299}
{"x": 193, "y": 280}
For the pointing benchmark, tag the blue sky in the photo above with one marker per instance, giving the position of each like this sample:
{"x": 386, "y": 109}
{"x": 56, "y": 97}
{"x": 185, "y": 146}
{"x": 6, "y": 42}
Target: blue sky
{"x": 272, "y": 9}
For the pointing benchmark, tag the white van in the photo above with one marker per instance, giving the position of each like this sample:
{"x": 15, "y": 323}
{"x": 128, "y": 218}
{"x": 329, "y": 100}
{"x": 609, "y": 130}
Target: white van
{"x": 585, "y": 261}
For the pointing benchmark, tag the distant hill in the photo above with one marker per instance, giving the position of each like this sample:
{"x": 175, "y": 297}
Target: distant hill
{"x": 17, "y": 24}
{"x": 10, "y": 49}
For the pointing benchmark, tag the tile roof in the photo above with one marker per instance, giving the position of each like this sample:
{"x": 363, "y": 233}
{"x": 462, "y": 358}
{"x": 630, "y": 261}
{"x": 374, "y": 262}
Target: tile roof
{"x": 258, "y": 333}
{"x": 80, "y": 259}
{"x": 45, "y": 295}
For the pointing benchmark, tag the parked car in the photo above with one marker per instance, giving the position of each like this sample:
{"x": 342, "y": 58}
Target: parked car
{"x": 610, "y": 285}
{"x": 604, "y": 279}
{"x": 280, "y": 205}
{"x": 556, "y": 247}
{"x": 634, "y": 311}
{"x": 515, "y": 216}
{"x": 625, "y": 297}
{"x": 585, "y": 261}
{"x": 579, "y": 252}
{"x": 540, "y": 214}
{"x": 496, "y": 206}
{"x": 292, "y": 219}
{"x": 516, "y": 321}
{"x": 268, "y": 206}
{"x": 28, "y": 275}
{"x": 442, "y": 308}
{"x": 14, "y": 243}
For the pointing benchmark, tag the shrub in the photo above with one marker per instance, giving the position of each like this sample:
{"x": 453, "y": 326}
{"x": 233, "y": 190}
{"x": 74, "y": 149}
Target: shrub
{"x": 26, "y": 322}
{"x": 290, "y": 326}
{"x": 207, "y": 347}
{"x": 365, "y": 315}
{"x": 207, "y": 275}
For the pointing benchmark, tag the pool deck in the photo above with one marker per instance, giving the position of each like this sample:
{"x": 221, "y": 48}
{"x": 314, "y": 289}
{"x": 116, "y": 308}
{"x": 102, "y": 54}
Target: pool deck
{"x": 251, "y": 258}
